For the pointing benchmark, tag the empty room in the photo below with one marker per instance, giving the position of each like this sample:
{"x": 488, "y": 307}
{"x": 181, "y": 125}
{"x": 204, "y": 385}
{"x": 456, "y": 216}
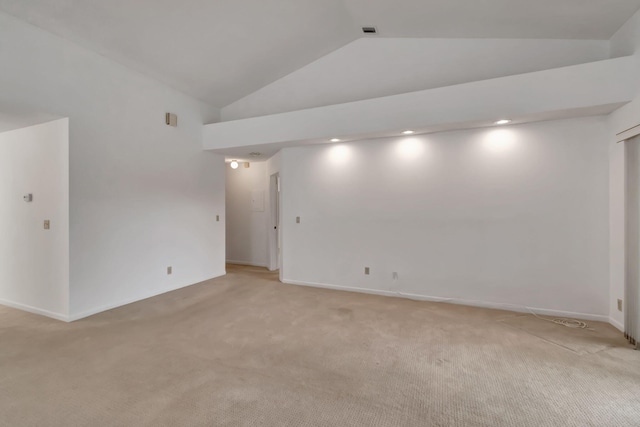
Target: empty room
{"x": 320, "y": 213}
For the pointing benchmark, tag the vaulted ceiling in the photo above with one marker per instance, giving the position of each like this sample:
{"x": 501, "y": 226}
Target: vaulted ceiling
{"x": 220, "y": 51}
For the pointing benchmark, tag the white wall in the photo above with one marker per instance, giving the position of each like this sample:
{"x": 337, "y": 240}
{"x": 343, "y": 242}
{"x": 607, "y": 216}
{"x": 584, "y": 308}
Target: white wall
{"x": 375, "y": 67}
{"x": 626, "y": 41}
{"x": 616, "y": 231}
{"x": 34, "y": 262}
{"x": 247, "y": 227}
{"x": 274, "y": 164}
{"x": 557, "y": 93}
{"x": 514, "y": 215}
{"x": 143, "y": 195}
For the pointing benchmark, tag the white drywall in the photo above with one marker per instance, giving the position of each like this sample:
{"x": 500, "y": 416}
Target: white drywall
{"x": 143, "y": 195}
{"x": 549, "y": 93}
{"x": 514, "y": 215}
{"x": 247, "y": 218}
{"x": 274, "y": 164}
{"x": 34, "y": 262}
{"x": 375, "y": 67}
{"x": 625, "y": 41}
{"x": 616, "y": 230}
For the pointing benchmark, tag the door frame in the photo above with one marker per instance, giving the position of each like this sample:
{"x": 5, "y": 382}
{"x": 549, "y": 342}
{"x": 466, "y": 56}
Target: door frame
{"x": 275, "y": 235}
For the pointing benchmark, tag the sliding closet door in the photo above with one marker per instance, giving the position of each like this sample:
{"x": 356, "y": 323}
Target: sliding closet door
{"x": 632, "y": 240}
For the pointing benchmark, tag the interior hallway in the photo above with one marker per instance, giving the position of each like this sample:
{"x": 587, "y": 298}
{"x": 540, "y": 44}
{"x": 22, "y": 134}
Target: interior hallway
{"x": 245, "y": 349}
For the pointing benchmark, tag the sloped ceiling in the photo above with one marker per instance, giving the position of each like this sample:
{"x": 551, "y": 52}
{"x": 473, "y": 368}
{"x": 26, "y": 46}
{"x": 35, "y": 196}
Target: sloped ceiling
{"x": 539, "y": 19}
{"x": 376, "y": 67}
{"x": 220, "y": 51}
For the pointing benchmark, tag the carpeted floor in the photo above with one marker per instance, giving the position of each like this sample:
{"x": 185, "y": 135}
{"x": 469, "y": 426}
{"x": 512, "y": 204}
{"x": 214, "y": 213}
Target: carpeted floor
{"x": 246, "y": 350}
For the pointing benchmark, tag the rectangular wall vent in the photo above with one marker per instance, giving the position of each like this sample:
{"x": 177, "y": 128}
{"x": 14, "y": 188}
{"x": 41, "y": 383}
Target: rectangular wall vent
{"x": 369, "y": 30}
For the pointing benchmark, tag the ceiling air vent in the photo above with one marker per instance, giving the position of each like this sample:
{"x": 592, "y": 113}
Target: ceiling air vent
{"x": 369, "y": 30}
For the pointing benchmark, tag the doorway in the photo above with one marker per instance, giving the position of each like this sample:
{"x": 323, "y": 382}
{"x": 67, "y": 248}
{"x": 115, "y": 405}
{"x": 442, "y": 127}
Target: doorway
{"x": 275, "y": 237}
{"x": 632, "y": 241}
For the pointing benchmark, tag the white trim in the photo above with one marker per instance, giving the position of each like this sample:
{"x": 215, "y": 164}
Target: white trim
{"x": 97, "y": 310}
{"x": 629, "y": 133}
{"x": 253, "y": 264}
{"x": 619, "y": 326}
{"x": 34, "y": 310}
{"x": 473, "y": 303}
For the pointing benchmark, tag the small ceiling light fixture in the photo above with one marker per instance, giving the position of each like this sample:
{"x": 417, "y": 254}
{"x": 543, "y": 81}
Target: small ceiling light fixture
{"x": 503, "y": 122}
{"x": 408, "y": 132}
{"x": 255, "y": 154}
{"x": 335, "y": 140}
{"x": 234, "y": 164}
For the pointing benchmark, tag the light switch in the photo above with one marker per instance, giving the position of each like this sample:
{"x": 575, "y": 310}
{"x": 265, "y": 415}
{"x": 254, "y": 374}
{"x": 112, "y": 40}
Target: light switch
{"x": 297, "y": 220}
{"x": 28, "y": 197}
{"x": 171, "y": 120}
{"x": 218, "y": 218}
{"x": 47, "y": 224}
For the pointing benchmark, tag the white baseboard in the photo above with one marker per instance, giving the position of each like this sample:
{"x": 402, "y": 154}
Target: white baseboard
{"x": 252, "y": 264}
{"x": 35, "y": 310}
{"x": 473, "y": 303}
{"x": 106, "y": 307}
{"x": 619, "y": 326}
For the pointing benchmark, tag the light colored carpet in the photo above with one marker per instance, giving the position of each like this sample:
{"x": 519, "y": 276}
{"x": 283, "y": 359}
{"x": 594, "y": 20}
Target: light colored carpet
{"x": 246, "y": 350}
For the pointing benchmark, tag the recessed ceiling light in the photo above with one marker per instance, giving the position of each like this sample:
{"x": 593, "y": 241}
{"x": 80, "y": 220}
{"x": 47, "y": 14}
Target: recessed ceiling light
{"x": 408, "y": 132}
{"x": 335, "y": 140}
{"x": 234, "y": 164}
{"x": 503, "y": 122}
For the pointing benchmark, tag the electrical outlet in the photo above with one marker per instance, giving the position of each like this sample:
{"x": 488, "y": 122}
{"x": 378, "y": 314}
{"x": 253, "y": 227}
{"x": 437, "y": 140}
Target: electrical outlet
{"x": 395, "y": 275}
{"x": 297, "y": 220}
{"x": 619, "y": 305}
{"x": 366, "y": 270}
{"x": 218, "y": 218}
{"x": 47, "y": 224}
{"x": 169, "y": 270}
